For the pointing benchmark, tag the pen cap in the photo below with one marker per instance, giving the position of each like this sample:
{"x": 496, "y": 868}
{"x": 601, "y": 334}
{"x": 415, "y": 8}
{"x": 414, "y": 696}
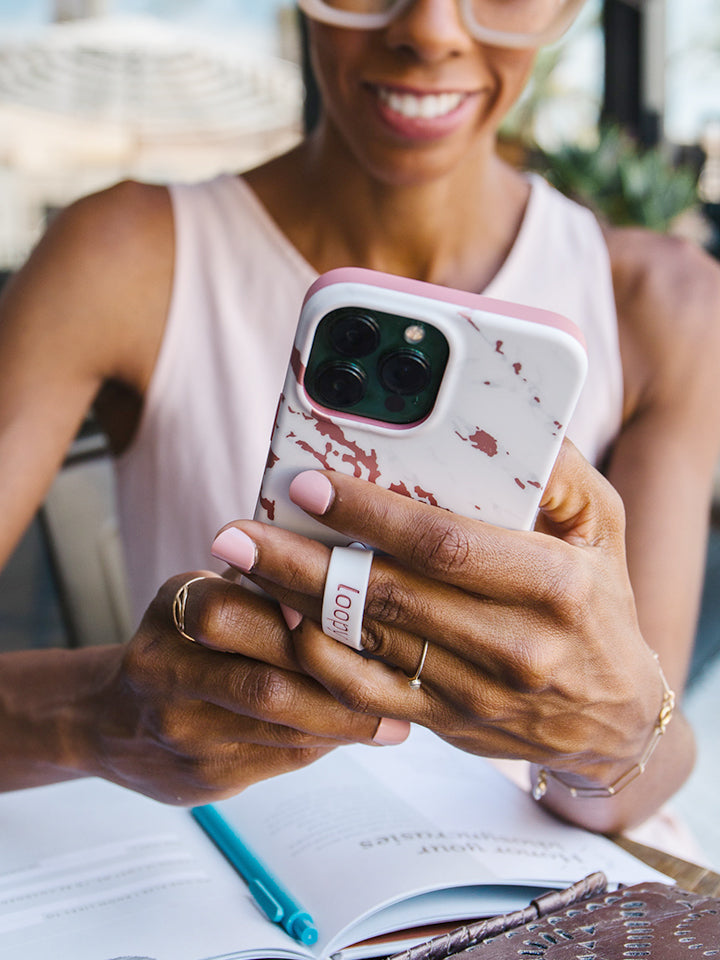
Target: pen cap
{"x": 301, "y": 927}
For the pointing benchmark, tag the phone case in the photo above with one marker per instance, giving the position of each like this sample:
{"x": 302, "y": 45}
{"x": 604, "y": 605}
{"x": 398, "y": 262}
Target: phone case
{"x": 487, "y": 447}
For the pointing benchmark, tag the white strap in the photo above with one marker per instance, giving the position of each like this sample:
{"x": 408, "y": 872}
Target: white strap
{"x": 344, "y": 596}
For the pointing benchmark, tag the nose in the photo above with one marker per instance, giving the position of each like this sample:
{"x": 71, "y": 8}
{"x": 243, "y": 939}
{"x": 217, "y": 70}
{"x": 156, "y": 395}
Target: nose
{"x": 430, "y": 30}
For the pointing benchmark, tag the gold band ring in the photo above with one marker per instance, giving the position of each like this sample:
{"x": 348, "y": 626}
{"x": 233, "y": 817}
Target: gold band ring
{"x": 414, "y": 682}
{"x": 178, "y": 608}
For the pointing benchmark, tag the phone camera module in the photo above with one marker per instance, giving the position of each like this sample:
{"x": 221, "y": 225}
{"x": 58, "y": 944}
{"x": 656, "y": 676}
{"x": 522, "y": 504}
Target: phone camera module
{"x": 340, "y": 384}
{"x": 354, "y": 334}
{"x": 365, "y": 362}
{"x": 406, "y": 372}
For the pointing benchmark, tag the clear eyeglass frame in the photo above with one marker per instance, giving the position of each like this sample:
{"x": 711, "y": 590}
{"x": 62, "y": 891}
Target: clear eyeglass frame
{"x": 375, "y": 20}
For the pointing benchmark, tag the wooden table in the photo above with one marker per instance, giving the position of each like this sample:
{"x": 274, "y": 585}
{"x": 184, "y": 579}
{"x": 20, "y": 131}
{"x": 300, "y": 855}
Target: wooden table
{"x": 689, "y": 876}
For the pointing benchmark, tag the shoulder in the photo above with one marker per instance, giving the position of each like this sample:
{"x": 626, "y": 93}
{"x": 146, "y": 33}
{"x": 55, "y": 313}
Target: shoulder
{"x": 660, "y": 268}
{"x": 120, "y": 221}
{"x": 102, "y": 275}
{"x": 667, "y": 292}
{"x": 110, "y": 237}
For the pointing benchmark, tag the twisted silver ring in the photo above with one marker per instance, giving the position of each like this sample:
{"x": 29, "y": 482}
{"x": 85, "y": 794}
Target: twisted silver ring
{"x": 178, "y": 608}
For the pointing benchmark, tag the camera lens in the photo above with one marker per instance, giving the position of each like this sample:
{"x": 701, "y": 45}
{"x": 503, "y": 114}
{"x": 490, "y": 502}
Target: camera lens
{"x": 354, "y": 334}
{"x": 340, "y": 384}
{"x": 405, "y": 372}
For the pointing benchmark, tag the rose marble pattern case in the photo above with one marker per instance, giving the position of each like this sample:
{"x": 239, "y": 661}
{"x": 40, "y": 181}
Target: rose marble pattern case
{"x": 487, "y": 447}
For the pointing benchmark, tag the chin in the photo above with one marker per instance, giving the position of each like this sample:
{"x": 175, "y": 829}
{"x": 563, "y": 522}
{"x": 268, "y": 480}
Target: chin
{"x": 417, "y": 167}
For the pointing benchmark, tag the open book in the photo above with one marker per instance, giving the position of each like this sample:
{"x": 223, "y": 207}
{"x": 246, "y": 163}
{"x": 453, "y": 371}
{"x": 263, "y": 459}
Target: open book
{"x": 370, "y": 840}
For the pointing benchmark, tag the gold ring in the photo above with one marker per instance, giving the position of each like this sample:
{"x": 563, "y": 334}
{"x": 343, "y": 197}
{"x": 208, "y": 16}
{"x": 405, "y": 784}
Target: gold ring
{"x": 414, "y": 682}
{"x": 178, "y": 608}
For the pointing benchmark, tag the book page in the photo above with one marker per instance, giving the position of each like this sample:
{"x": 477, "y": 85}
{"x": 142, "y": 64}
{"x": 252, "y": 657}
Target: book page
{"x": 317, "y": 829}
{"x": 90, "y": 871}
{"x": 366, "y": 826}
{"x": 479, "y": 811}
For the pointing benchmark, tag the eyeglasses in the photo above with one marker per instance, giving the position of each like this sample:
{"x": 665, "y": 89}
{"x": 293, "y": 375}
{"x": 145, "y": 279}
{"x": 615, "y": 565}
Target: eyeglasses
{"x": 502, "y": 23}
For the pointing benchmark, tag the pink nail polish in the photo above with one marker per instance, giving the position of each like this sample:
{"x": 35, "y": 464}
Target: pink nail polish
{"x": 312, "y": 491}
{"x": 292, "y": 617}
{"x": 235, "y": 548}
{"x": 391, "y": 732}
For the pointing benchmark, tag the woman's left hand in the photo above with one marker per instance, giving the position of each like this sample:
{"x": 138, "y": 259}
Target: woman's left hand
{"x": 534, "y": 646}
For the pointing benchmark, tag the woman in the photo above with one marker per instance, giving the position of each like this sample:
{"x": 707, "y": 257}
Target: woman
{"x": 181, "y": 306}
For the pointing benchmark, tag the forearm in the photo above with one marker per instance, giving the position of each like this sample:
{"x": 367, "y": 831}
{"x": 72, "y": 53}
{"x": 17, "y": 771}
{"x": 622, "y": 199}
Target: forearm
{"x": 49, "y": 707}
{"x": 666, "y": 771}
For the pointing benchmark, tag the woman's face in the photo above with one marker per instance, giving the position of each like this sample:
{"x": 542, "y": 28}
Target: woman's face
{"x": 414, "y": 99}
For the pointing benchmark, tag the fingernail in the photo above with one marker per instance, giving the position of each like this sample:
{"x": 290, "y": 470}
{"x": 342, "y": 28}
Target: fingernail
{"x": 312, "y": 491}
{"x": 236, "y": 548}
{"x": 391, "y": 732}
{"x": 292, "y": 617}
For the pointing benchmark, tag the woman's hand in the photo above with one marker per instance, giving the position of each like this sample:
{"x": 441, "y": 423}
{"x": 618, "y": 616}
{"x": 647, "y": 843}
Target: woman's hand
{"x": 534, "y": 646}
{"x": 184, "y": 722}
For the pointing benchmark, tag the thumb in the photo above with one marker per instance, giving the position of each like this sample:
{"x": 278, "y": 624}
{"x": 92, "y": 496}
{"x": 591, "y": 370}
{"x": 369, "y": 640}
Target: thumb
{"x": 579, "y": 505}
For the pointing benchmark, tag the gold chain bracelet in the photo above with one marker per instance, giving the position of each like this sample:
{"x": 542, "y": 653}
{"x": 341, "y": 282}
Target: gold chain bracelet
{"x": 664, "y": 717}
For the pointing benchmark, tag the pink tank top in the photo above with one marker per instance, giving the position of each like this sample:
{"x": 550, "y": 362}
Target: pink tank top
{"x": 200, "y": 451}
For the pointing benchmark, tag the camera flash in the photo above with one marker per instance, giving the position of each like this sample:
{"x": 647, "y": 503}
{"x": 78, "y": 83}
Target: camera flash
{"x": 414, "y": 333}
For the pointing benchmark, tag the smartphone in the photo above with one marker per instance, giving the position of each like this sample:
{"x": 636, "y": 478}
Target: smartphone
{"x": 452, "y": 398}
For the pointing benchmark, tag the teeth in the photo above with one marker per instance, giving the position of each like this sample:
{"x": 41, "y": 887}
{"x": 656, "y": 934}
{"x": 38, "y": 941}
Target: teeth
{"x": 427, "y": 107}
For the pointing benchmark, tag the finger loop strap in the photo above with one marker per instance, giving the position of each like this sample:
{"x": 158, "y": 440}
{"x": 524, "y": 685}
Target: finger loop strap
{"x": 344, "y": 597}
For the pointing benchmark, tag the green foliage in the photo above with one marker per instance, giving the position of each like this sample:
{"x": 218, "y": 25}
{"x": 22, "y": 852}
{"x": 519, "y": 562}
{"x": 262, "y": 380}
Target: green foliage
{"x": 543, "y": 86}
{"x": 621, "y": 182}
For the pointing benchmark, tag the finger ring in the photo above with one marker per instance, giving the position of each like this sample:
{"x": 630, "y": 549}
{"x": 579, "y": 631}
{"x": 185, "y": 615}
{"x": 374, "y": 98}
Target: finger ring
{"x": 344, "y": 596}
{"x": 414, "y": 681}
{"x": 178, "y": 608}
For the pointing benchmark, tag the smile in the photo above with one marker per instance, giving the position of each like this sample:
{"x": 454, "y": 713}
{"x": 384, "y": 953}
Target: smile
{"x": 426, "y": 106}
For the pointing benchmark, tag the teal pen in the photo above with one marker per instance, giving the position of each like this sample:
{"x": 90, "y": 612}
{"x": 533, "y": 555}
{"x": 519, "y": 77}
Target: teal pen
{"x": 270, "y": 895}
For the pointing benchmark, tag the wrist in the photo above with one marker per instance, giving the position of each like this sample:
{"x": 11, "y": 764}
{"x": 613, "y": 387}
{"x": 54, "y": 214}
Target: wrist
{"x": 614, "y": 784}
{"x": 665, "y": 770}
{"x": 50, "y": 704}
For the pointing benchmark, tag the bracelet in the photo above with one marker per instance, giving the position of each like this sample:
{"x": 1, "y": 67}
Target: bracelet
{"x": 664, "y": 717}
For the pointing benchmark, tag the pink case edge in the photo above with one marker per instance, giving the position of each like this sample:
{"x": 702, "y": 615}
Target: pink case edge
{"x": 474, "y": 301}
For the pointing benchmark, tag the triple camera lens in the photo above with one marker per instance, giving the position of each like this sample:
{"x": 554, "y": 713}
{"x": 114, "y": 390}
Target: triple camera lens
{"x": 362, "y": 360}
{"x": 342, "y": 383}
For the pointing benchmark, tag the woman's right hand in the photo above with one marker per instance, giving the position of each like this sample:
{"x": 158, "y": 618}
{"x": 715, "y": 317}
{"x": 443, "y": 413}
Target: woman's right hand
{"x": 182, "y": 722}
{"x": 191, "y": 722}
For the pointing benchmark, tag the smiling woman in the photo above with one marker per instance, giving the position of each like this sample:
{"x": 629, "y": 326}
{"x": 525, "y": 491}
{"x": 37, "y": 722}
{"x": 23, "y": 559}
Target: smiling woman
{"x": 176, "y": 307}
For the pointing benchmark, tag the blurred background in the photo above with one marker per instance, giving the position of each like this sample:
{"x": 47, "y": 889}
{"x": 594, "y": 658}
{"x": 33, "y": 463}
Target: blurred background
{"x": 623, "y": 114}
{"x": 95, "y": 90}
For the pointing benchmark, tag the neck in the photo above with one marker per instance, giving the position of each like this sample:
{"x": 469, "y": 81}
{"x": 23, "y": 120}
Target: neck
{"x": 455, "y": 229}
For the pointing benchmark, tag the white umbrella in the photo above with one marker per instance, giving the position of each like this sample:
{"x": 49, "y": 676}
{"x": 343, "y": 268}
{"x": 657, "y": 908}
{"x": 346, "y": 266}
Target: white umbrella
{"x": 87, "y": 102}
{"x": 150, "y": 78}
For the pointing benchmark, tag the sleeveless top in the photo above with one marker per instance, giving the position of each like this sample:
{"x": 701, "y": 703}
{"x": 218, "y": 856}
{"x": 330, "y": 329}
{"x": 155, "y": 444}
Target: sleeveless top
{"x": 198, "y": 457}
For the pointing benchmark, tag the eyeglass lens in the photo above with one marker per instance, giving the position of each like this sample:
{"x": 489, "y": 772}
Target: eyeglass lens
{"x": 507, "y": 16}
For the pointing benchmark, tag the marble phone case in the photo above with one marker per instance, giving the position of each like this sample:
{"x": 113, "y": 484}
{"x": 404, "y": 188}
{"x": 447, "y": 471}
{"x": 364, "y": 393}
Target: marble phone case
{"x": 486, "y": 449}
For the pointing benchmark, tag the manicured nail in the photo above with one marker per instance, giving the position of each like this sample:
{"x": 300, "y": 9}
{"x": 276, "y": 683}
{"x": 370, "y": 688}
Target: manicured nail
{"x": 292, "y": 617}
{"x": 390, "y": 732}
{"x": 312, "y": 491}
{"x": 236, "y": 548}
